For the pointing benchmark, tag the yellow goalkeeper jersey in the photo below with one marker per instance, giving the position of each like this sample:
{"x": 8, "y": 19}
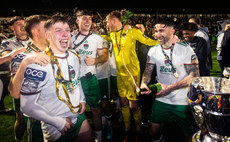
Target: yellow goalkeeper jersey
{"x": 124, "y": 44}
{"x": 128, "y": 68}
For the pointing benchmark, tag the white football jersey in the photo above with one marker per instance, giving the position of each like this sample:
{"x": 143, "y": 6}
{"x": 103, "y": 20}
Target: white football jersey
{"x": 182, "y": 55}
{"x": 108, "y": 68}
{"x": 89, "y": 47}
{"x": 40, "y": 81}
{"x": 16, "y": 61}
{"x": 13, "y": 43}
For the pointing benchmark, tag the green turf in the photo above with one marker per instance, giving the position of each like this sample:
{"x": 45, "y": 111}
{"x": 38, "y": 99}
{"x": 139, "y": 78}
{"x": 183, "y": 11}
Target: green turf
{"x": 7, "y": 123}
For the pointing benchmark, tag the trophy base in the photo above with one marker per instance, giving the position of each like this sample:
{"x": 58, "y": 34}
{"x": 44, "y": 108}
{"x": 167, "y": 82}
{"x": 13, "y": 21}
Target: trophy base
{"x": 198, "y": 137}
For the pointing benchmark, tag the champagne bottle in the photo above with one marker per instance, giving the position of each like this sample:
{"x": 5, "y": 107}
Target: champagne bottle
{"x": 155, "y": 88}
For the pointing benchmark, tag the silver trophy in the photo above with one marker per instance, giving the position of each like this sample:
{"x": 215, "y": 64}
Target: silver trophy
{"x": 209, "y": 98}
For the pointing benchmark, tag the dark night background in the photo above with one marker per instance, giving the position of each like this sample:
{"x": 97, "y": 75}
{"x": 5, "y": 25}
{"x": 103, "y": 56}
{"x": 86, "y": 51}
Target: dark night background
{"x": 28, "y": 7}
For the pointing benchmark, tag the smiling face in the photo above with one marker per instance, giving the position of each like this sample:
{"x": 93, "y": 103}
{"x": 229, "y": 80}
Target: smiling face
{"x": 163, "y": 33}
{"x": 59, "y": 37}
{"x": 84, "y": 22}
{"x": 18, "y": 28}
{"x": 188, "y": 35}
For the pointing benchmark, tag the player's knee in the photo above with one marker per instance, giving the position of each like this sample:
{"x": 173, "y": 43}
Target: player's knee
{"x": 96, "y": 111}
{"x": 134, "y": 106}
{"x": 124, "y": 102}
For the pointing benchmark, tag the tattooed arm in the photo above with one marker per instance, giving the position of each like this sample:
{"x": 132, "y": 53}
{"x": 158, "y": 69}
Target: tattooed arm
{"x": 147, "y": 77}
{"x": 192, "y": 70}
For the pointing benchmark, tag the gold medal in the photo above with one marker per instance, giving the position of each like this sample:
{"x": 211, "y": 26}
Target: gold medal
{"x": 71, "y": 87}
{"x": 175, "y": 74}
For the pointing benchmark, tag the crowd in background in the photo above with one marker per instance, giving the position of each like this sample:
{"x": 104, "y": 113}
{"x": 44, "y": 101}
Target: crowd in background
{"x": 213, "y": 23}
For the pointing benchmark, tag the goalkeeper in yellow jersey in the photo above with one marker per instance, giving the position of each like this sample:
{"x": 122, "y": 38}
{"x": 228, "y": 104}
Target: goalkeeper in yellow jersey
{"x": 128, "y": 68}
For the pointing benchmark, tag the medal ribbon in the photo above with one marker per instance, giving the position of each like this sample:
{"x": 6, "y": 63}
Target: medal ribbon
{"x": 169, "y": 59}
{"x": 77, "y": 45}
{"x": 118, "y": 43}
{"x": 60, "y": 79}
{"x": 34, "y": 48}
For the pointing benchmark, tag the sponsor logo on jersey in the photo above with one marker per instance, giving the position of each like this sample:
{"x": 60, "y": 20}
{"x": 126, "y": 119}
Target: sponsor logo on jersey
{"x": 35, "y": 74}
{"x": 85, "y": 52}
{"x": 74, "y": 82}
{"x": 166, "y": 69}
{"x": 19, "y": 57}
{"x": 5, "y": 43}
{"x": 194, "y": 59}
{"x": 29, "y": 86}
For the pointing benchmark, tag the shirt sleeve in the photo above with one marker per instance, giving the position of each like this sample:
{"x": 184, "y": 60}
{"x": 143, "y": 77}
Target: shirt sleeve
{"x": 15, "y": 63}
{"x": 106, "y": 37}
{"x": 5, "y": 46}
{"x": 82, "y": 95}
{"x": 34, "y": 78}
{"x": 99, "y": 42}
{"x": 143, "y": 38}
{"x": 150, "y": 57}
{"x": 190, "y": 57}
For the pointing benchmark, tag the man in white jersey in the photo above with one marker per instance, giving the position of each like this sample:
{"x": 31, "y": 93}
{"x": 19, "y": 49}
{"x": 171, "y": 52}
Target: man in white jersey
{"x": 34, "y": 26}
{"x": 53, "y": 94}
{"x": 20, "y": 40}
{"x": 93, "y": 50}
{"x": 175, "y": 65}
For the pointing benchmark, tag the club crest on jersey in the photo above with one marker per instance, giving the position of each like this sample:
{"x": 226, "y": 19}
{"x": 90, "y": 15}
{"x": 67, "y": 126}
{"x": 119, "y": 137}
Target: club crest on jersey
{"x": 35, "y": 74}
{"x": 72, "y": 72}
{"x": 168, "y": 62}
{"x": 86, "y": 45}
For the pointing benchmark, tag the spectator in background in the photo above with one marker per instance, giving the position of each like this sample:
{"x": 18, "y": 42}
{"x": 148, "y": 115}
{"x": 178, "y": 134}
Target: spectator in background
{"x": 199, "y": 46}
{"x": 142, "y": 49}
{"x": 94, "y": 28}
{"x": 203, "y": 33}
{"x": 225, "y": 26}
{"x": 145, "y": 100}
{"x": 226, "y": 50}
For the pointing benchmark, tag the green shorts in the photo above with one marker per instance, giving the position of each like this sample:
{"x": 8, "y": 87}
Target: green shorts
{"x": 16, "y": 105}
{"x": 113, "y": 83}
{"x": 35, "y": 129}
{"x": 91, "y": 90}
{"x": 72, "y": 133}
{"x": 104, "y": 87}
{"x": 103, "y": 84}
{"x": 182, "y": 114}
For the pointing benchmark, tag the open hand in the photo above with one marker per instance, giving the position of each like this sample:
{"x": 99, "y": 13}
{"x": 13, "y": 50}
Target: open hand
{"x": 67, "y": 126}
{"x": 144, "y": 86}
{"x": 90, "y": 61}
{"x": 39, "y": 58}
